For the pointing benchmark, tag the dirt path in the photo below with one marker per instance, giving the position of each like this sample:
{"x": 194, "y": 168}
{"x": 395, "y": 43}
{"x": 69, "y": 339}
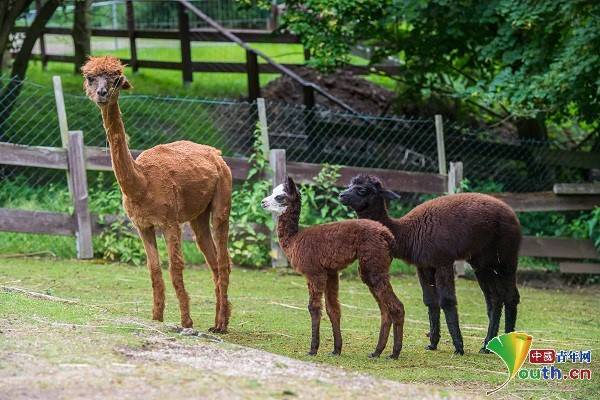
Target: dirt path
{"x": 47, "y": 360}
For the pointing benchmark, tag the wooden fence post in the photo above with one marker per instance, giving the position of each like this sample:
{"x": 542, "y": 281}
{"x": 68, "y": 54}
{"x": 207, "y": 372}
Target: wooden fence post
{"x": 273, "y": 22}
{"x": 184, "y": 41}
{"x": 131, "y": 34}
{"x": 441, "y": 149}
{"x": 79, "y": 194}
{"x": 61, "y": 113}
{"x": 278, "y": 167}
{"x": 262, "y": 123}
{"x": 308, "y": 94}
{"x": 253, "y": 75}
{"x": 455, "y": 176}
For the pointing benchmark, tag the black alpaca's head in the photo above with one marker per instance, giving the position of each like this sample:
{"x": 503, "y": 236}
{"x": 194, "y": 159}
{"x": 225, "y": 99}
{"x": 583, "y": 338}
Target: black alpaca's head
{"x": 366, "y": 195}
{"x": 282, "y": 197}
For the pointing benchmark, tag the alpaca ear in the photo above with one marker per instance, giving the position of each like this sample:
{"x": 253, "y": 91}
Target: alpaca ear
{"x": 290, "y": 186}
{"x": 389, "y": 195}
{"x": 124, "y": 83}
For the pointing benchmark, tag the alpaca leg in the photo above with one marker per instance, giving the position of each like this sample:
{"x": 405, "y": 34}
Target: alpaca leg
{"x": 487, "y": 281}
{"x": 392, "y": 310}
{"x": 332, "y": 305}
{"x": 221, "y": 206}
{"x": 507, "y": 272}
{"x": 445, "y": 285}
{"x": 148, "y": 236}
{"x": 430, "y": 299}
{"x": 173, "y": 238}
{"x": 316, "y": 287}
{"x": 511, "y": 300}
{"x": 506, "y": 282}
{"x": 482, "y": 280}
{"x": 495, "y": 291}
{"x": 206, "y": 244}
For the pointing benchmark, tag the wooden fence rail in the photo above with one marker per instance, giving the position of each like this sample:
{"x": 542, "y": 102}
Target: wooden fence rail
{"x": 84, "y": 225}
{"x": 63, "y": 224}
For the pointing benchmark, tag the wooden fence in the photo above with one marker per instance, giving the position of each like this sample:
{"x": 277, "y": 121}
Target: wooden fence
{"x": 77, "y": 159}
{"x": 214, "y": 33}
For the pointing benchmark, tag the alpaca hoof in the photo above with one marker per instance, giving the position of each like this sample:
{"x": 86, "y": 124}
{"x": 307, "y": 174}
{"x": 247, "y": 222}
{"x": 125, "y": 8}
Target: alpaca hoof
{"x": 394, "y": 356}
{"x": 336, "y": 352}
{"x": 158, "y": 318}
{"x": 217, "y": 329}
{"x": 312, "y": 353}
{"x": 460, "y": 352}
{"x": 374, "y": 354}
{"x": 187, "y": 323}
{"x": 430, "y": 347}
{"x": 484, "y": 351}
{"x": 189, "y": 332}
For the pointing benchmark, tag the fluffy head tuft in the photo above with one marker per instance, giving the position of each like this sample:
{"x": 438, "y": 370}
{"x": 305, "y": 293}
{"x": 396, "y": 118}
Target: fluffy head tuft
{"x": 367, "y": 180}
{"x": 108, "y": 65}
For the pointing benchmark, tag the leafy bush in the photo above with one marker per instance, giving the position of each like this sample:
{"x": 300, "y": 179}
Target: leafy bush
{"x": 248, "y": 245}
{"x": 320, "y": 200}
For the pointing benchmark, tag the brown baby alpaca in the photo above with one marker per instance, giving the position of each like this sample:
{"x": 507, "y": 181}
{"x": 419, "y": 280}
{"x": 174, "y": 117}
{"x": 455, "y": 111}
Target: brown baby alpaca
{"x": 321, "y": 251}
{"x": 467, "y": 226}
{"x": 164, "y": 187}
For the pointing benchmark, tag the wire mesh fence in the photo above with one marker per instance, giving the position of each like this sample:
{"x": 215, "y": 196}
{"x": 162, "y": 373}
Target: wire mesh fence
{"x": 159, "y": 14}
{"x": 491, "y": 163}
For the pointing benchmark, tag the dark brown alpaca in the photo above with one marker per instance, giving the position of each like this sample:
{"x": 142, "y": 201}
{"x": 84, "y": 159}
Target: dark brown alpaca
{"x": 470, "y": 226}
{"x": 321, "y": 251}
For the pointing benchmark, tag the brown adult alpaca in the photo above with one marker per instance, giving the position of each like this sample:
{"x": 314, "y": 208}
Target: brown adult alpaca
{"x": 321, "y": 251}
{"x": 164, "y": 187}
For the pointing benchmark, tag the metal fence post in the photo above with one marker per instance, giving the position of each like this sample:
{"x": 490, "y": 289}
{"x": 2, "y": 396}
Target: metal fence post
{"x": 79, "y": 194}
{"x": 455, "y": 176}
{"x": 441, "y": 150}
{"x": 278, "y": 167}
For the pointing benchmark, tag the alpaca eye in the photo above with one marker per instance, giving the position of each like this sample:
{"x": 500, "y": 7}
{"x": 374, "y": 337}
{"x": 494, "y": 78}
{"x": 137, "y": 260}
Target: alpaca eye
{"x": 90, "y": 79}
{"x": 362, "y": 191}
{"x": 280, "y": 197}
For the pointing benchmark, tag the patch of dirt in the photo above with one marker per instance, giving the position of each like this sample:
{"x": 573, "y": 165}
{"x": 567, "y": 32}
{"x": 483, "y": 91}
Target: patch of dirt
{"x": 55, "y": 361}
{"x": 303, "y": 379}
{"x": 360, "y": 94}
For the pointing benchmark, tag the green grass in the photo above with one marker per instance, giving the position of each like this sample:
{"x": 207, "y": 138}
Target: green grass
{"x": 269, "y": 312}
{"x": 168, "y": 82}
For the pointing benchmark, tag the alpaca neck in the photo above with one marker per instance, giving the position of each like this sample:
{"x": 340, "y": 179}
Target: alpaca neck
{"x": 287, "y": 224}
{"x": 398, "y": 226}
{"x": 129, "y": 177}
{"x": 378, "y": 213}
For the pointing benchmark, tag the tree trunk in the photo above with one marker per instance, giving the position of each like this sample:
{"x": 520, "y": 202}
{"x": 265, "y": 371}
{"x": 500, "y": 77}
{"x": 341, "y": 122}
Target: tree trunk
{"x": 10, "y": 93}
{"x": 8, "y": 15}
{"x": 82, "y": 32}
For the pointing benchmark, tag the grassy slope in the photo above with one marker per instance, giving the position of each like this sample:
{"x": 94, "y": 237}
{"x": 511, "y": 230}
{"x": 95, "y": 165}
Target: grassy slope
{"x": 270, "y": 313}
